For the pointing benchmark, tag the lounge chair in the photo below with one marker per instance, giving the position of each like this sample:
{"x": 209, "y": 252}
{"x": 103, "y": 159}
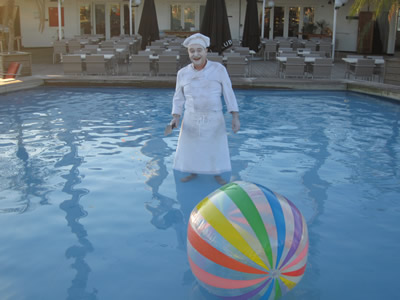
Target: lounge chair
{"x": 13, "y": 70}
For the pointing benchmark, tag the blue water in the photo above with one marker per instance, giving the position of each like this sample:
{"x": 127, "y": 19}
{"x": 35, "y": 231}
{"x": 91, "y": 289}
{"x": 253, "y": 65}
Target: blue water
{"x": 90, "y": 207}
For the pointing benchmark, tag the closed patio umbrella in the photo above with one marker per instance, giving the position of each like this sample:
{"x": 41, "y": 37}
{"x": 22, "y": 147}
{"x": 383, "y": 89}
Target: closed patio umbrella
{"x": 215, "y": 25}
{"x": 148, "y": 27}
{"x": 251, "y": 30}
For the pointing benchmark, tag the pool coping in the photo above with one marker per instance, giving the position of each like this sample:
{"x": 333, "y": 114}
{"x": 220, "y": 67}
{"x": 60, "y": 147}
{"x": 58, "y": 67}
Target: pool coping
{"x": 367, "y": 87}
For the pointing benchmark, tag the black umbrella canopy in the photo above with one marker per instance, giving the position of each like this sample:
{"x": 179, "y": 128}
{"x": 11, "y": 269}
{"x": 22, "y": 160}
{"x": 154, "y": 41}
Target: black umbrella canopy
{"x": 215, "y": 25}
{"x": 251, "y": 30}
{"x": 148, "y": 27}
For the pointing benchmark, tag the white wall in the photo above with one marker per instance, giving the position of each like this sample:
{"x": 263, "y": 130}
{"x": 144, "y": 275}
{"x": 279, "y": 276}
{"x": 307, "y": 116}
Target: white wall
{"x": 346, "y": 30}
{"x": 29, "y": 16}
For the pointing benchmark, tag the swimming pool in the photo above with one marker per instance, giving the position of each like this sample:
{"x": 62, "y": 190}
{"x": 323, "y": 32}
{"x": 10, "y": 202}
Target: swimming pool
{"x": 91, "y": 209}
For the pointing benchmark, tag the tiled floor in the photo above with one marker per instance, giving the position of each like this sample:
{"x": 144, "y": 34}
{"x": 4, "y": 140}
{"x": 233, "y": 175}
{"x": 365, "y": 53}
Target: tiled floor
{"x": 42, "y": 65}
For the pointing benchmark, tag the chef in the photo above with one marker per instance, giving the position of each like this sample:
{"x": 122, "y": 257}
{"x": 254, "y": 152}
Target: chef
{"x": 203, "y": 144}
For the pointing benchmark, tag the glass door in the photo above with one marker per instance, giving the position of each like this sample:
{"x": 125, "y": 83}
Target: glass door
{"x": 294, "y": 20}
{"x": 183, "y": 17}
{"x": 267, "y": 20}
{"x": 85, "y": 19}
{"x": 279, "y": 20}
{"x": 115, "y": 19}
{"x": 100, "y": 19}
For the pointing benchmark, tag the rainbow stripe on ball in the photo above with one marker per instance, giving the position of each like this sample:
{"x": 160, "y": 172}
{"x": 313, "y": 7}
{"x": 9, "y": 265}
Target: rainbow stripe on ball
{"x": 247, "y": 242}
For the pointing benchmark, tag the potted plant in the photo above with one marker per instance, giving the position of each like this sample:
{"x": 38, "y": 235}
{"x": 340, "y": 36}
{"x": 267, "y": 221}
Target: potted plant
{"x": 308, "y": 29}
{"x": 322, "y": 26}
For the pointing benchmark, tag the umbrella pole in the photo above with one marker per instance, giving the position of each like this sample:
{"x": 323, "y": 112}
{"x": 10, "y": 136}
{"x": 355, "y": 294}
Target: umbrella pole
{"x": 334, "y": 32}
{"x": 59, "y": 21}
{"x": 263, "y": 20}
{"x": 240, "y": 17}
{"x": 130, "y": 17}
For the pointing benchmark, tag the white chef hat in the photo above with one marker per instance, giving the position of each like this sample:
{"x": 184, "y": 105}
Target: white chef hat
{"x": 198, "y": 39}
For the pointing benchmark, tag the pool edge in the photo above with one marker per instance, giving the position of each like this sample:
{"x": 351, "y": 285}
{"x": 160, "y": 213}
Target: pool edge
{"x": 367, "y": 87}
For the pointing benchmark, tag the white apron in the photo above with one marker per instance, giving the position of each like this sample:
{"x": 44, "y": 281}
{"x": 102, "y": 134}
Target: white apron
{"x": 203, "y": 143}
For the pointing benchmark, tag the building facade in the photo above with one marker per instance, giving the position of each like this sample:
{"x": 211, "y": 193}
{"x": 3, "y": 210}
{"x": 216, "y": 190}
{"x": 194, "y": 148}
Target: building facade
{"x": 37, "y": 20}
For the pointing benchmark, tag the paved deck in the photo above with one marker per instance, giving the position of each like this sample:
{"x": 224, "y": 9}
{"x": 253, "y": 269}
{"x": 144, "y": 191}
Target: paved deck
{"x": 263, "y": 75}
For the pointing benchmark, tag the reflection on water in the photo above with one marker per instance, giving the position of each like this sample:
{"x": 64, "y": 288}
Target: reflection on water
{"x": 189, "y": 194}
{"x": 74, "y": 213}
{"x": 101, "y": 157}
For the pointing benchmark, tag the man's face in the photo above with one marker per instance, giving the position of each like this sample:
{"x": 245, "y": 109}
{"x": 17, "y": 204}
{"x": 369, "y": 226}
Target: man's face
{"x": 197, "y": 55}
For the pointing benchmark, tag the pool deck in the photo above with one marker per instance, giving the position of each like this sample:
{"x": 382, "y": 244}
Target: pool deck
{"x": 263, "y": 75}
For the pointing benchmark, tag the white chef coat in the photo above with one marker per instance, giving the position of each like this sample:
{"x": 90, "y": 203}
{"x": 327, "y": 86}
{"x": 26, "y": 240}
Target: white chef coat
{"x": 203, "y": 143}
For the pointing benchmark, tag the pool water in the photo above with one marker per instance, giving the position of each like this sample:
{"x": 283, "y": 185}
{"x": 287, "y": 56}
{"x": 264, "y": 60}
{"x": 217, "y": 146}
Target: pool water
{"x": 90, "y": 207}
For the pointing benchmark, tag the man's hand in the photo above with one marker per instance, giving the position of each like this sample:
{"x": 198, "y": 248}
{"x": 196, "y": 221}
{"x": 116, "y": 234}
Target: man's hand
{"x": 175, "y": 121}
{"x": 235, "y": 121}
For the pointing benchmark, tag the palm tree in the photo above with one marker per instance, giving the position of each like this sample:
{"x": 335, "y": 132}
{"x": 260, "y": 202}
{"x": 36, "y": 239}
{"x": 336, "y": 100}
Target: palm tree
{"x": 380, "y": 6}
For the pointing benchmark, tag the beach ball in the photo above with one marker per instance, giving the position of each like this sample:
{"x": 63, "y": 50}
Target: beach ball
{"x": 247, "y": 242}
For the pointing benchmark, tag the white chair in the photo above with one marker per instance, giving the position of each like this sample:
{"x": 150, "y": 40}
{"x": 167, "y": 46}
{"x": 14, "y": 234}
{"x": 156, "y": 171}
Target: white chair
{"x": 97, "y": 65}
{"x": 270, "y": 48}
{"x": 364, "y": 68}
{"x": 378, "y": 69}
{"x": 73, "y": 45}
{"x": 141, "y": 64}
{"x": 310, "y": 44}
{"x": 294, "y": 67}
{"x": 322, "y": 67}
{"x": 285, "y": 44}
{"x": 59, "y": 49}
{"x": 237, "y": 66}
{"x": 217, "y": 58}
{"x": 327, "y": 48}
{"x": 167, "y": 65}
{"x": 72, "y": 64}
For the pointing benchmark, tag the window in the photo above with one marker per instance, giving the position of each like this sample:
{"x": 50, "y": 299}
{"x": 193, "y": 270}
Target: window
{"x": 267, "y": 18}
{"x": 294, "y": 18}
{"x": 279, "y": 20}
{"x": 176, "y": 17}
{"x": 183, "y": 17}
{"x": 308, "y": 17}
{"x": 189, "y": 18}
{"x": 85, "y": 20}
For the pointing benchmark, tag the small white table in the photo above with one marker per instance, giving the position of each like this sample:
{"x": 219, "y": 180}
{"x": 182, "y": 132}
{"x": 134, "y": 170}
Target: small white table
{"x": 351, "y": 60}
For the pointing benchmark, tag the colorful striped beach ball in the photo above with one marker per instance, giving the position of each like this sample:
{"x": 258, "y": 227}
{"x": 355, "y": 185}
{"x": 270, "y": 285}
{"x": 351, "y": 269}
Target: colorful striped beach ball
{"x": 247, "y": 242}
